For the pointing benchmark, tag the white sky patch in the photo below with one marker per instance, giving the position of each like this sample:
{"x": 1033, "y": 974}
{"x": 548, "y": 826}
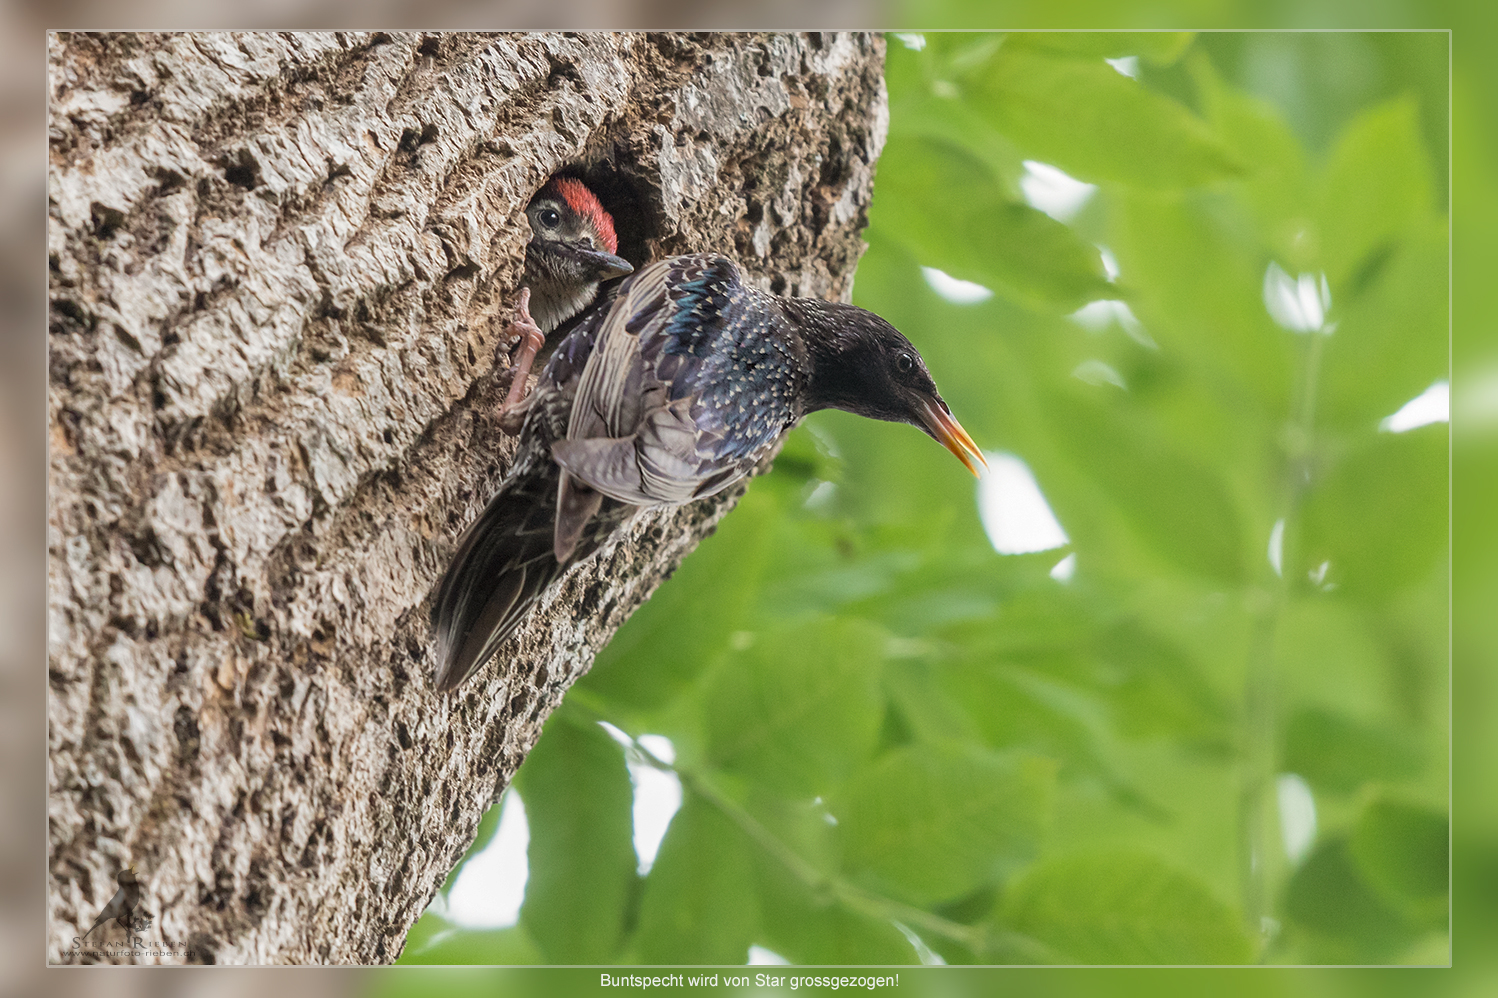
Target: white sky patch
{"x": 489, "y": 891}
{"x": 1431, "y": 406}
{"x": 1110, "y": 263}
{"x": 1127, "y": 65}
{"x": 1064, "y": 569}
{"x": 1277, "y": 546}
{"x": 1298, "y": 304}
{"x": 1297, "y": 815}
{"x": 911, "y": 40}
{"x": 657, "y": 791}
{"x": 659, "y": 746}
{"x": 1097, "y": 316}
{"x": 955, "y": 290}
{"x": 1097, "y": 372}
{"x": 820, "y": 496}
{"x": 657, "y": 799}
{"x": 825, "y": 441}
{"x": 1050, "y": 190}
{"x": 1015, "y": 514}
{"x": 761, "y": 957}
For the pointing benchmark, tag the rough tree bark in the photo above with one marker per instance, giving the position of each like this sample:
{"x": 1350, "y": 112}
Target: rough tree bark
{"x": 279, "y": 265}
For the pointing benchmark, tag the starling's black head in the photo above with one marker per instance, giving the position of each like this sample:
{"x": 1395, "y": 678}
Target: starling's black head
{"x": 863, "y": 365}
{"x": 571, "y": 251}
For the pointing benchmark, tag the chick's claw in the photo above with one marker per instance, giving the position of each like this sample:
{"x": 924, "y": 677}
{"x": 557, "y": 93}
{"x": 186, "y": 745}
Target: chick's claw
{"x": 511, "y": 417}
{"x": 532, "y": 338}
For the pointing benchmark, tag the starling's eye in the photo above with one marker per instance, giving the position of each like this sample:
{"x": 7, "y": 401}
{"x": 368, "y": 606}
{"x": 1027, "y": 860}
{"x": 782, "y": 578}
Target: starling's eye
{"x": 904, "y": 363}
{"x": 549, "y": 217}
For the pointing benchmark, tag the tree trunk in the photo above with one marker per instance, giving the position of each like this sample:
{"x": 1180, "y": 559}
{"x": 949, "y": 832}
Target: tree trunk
{"x": 279, "y": 268}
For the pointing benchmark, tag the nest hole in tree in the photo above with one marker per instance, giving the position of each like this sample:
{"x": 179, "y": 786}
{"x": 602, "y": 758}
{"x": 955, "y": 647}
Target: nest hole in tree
{"x": 627, "y": 196}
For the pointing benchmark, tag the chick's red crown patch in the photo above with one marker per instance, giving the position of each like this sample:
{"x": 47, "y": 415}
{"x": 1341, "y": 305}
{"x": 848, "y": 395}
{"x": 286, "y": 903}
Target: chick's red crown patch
{"x": 582, "y": 201}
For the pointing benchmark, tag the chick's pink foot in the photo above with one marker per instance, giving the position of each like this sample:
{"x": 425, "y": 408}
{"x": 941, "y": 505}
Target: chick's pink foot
{"x": 512, "y": 412}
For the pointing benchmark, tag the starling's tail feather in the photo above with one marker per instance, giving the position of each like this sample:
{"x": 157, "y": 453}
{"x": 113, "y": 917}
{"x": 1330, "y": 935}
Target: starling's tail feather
{"x": 503, "y": 564}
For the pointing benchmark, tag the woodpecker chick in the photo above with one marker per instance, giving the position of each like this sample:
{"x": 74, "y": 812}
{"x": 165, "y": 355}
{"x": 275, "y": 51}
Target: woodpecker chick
{"x": 672, "y": 388}
{"x": 572, "y": 251}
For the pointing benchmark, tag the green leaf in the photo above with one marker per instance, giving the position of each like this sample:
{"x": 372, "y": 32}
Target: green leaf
{"x": 578, "y": 801}
{"x": 919, "y": 109}
{"x": 1379, "y": 517}
{"x": 1198, "y": 287}
{"x": 950, "y": 210}
{"x": 1099, "y": 126}
{"x": 1402, "y": 850}
{"x": 1274, "y": 186}
{"x": 799, "y": 708}
{"x": 452, "y": 945}
{"x": 1347, "y": 921}
{"x": 1339, "y": 753}
{"x": 947, "y": 122}
{"x": 1391, "y": 339}
{"x": 832, "y": 935}
{"x": 810, "y": 929}
{"x": 1179, "y": 507}
{"x": 1160, "y": 48}
{"x": 802, "y": 923}
{"x": 1124, "y": 907}
{"x": 1377, "y": 183}
{"x": 700, "y": 903}
{"x": 931, "y": 713}
{"x": 669, "y": 640}
{"x": 1021, "y": 708}
{"x": 1156, "y": 690}
{"x": 935, "y": 822}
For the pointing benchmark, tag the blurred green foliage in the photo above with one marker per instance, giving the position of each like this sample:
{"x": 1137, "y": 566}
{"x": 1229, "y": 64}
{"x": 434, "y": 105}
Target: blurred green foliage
{"x": 896, "y": 744}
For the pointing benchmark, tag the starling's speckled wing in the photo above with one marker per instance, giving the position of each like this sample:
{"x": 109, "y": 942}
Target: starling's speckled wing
{"x": 686, "y": 387}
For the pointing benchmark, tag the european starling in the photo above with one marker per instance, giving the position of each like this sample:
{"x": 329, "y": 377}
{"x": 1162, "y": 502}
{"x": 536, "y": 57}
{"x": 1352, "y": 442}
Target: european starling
{"x": 571, "y": 252}
{"x": 672, "y": 388}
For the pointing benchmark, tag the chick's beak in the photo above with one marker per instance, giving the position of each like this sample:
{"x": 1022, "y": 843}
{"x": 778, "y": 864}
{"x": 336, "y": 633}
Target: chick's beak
{"x": 605, "y": 265}
{"x": 950, "y": 434}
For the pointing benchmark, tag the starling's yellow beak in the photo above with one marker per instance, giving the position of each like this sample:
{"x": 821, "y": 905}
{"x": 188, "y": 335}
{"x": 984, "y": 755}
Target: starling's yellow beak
{"x": 952, "y": 436}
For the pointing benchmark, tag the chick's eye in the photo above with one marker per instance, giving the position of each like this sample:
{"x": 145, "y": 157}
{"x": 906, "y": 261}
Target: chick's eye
{"x": 904, "y": 363}
{"x": 549, "y": 217}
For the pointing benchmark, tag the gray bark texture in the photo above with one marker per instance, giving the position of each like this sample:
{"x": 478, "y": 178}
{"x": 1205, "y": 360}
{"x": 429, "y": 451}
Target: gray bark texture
{"x": 280, "y": 265}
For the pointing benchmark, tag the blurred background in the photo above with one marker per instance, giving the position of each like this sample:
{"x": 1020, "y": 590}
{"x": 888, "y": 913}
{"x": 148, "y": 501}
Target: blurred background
{"x": 1180, "y": 659}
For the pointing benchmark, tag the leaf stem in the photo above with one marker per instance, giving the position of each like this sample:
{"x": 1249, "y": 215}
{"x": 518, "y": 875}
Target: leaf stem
{"x": 1266, "y": 607}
